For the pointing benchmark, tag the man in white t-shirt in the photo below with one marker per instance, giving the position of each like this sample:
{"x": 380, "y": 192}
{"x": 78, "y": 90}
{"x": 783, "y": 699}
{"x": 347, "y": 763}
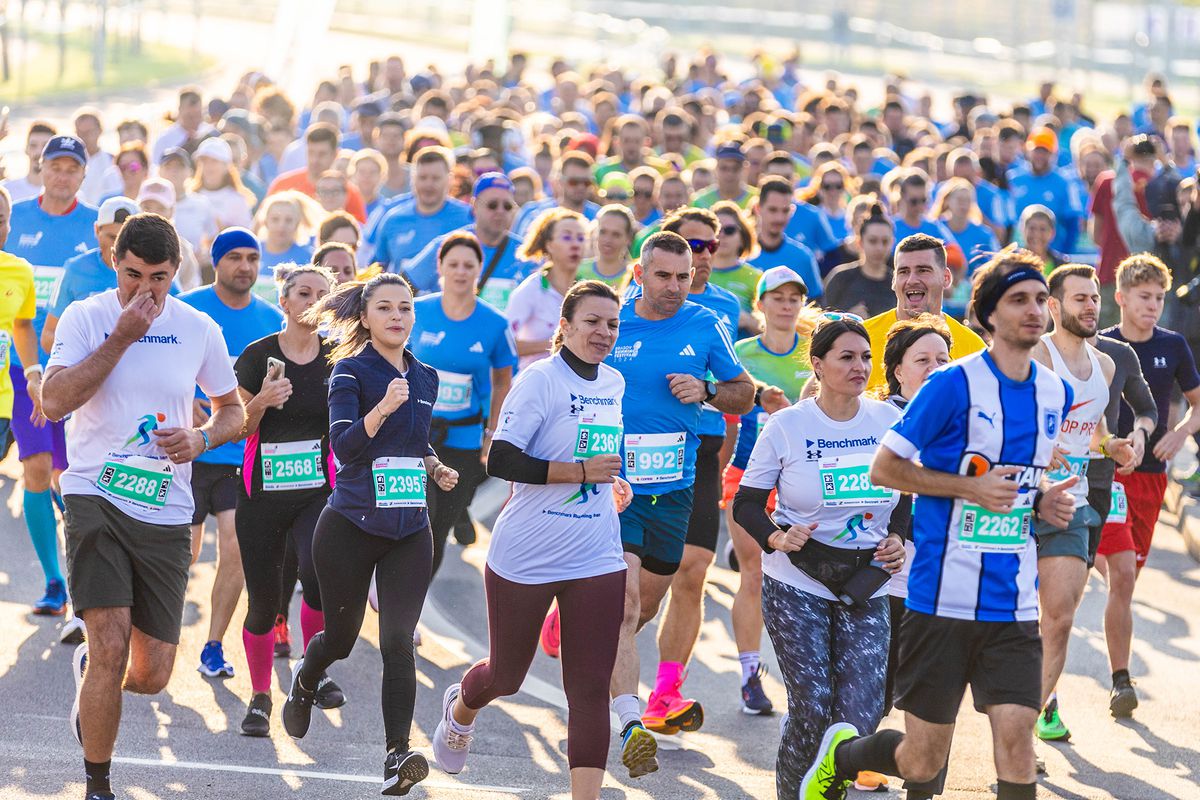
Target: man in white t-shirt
{"x": 125, "y": 365}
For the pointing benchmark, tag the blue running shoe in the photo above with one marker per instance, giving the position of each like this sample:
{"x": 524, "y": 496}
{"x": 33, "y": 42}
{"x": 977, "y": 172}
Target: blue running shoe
{"x": 213, "y": 663}
{"x": 54, "y": 603}
{"x": 754, "y": 699}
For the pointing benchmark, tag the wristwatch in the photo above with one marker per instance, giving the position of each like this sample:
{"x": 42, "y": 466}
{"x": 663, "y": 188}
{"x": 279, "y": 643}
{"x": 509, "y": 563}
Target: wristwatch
{"x": 758, "y": 393}
{"x": 710, "y": 390}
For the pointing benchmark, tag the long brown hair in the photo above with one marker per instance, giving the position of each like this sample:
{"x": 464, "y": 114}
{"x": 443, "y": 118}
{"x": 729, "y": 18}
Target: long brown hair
{"x": 571, "y": 300}
{"x": 341, "y": 312}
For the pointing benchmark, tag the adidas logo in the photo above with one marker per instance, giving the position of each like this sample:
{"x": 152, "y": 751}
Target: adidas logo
{"x": 687, "y": 351}
{"x": 476, "y": 348}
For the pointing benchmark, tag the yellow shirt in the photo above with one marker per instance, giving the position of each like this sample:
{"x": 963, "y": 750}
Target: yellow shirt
{"x": 17, "y": 301}
{"x": 963, "y": 342}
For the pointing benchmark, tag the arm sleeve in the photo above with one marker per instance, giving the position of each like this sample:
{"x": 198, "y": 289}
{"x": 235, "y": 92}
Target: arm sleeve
{"x": 750, "y": 511}
{"x": 216, "y": 376}
{"x": 72, "y": 344}
{"x": 508, "y": 462}
{"x": 900, "y": 523}
{"x": 1136, "y": 391}
{"x": 347, "y": 430}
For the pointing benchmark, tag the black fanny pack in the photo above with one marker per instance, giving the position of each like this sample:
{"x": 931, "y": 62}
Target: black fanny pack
{"x": 850, "y": 575}
{"x": 439, "y": 428}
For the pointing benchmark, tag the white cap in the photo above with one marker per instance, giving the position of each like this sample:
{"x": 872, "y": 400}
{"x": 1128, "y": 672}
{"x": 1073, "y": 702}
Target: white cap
{"x": 110, "y": 210}
{"x": 158, "y": 190}
{"x": 215, "y": 148}
{"x": 431, "y": 124}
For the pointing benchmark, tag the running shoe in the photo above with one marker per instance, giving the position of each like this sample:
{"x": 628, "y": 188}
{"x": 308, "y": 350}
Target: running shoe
{"x": 78, "y": 666}
{"x": 416, "y": 638}
{"x": 213, "y": 663}
{"x": 451, "y": 741}
{"x": 283, "y": 637}
{"x": 100, "y": 796}
{"x": 297, "y": 710}
{"x": 1123, "y": 699}
{"x": 464, "y": 531}
{"x": 639, "y": 750}
{"x": 54, "y": 602}
{"x": 257, "y": 721}
{"x": 402, "y": 771}
{"x": 671, "y": 712}
{"x": 1050, "y": 727}
{"x": 550, "y": 633}
{"x": 72, "y": 631}
{"x": 328, "y": 694}
{"x": 731, "y": 557}
{"x": 868, "y": 781}
{"x": 823, "y": 781}
{"x": 754, "y": 699}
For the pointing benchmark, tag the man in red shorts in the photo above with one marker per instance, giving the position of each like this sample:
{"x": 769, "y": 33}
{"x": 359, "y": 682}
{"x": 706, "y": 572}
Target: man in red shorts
{"x": 1142, "y": 284}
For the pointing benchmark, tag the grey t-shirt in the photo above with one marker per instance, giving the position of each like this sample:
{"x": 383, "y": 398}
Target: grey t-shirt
{"x": 1129, "y": 384}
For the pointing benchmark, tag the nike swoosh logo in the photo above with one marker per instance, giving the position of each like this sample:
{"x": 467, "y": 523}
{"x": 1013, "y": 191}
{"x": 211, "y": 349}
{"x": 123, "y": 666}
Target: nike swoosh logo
{"x": 1080, "y": 405}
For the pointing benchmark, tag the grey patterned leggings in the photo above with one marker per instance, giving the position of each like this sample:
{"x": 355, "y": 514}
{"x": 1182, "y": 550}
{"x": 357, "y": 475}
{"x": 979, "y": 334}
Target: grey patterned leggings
{"x": 834, "y": 663}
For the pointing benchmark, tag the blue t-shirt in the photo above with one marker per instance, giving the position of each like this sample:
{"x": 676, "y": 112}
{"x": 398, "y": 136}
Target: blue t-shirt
{"x": 508, "y": 274}
{"x": 724, "y": 304}
{"x": 404, "y": 231}
{"x": 967, "y": 418}
{"x": 810, "y": 227}
{"x": 530, "y": 211}
{"x": 464, "y": 353}
{"x": 791, "y": 253}
{"x": 47, "y": 242}
{"x": 692, "y": 342}
{"x": 297, "y": 254}
{"x": 929, "y": 227}
{"x": 375, "y": 218}
{"x": 978, "y": 243}
{"x": 1053, "y": 191}
{"x": 239, "y": 327}
{"x": 83, "y": 276}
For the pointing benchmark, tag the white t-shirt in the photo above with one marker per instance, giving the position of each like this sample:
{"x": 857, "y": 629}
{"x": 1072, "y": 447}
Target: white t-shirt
{"x": 229, "y": 206}
{"x": 534, "y": 309}
{"x": 196, "y": 219}
{"x": 151, "y": 387}
{"x": 559, "y": 531}
{"x": 819, "y": 465}
{"x": 98, "y": 181}
{"x": 20, "y": 189}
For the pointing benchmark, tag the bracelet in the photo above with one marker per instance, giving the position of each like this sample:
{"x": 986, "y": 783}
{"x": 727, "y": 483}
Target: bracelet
{"x": 33, "y": 369}
{"x": 204, "y": 435}
{"x": 1104, "y": 445}
{"x": 582, "y": 472}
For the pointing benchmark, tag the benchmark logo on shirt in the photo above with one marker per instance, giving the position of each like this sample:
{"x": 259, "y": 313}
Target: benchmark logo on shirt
{"x": 155, "y": 339}
{"x": 841, "y": 444}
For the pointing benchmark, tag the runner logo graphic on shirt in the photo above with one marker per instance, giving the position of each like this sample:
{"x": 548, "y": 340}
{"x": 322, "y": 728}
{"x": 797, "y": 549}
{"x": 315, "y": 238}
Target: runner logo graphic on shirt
{"x": 146, "y": 424}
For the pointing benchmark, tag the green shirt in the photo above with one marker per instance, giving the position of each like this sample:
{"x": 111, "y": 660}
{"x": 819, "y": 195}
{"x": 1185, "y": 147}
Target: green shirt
{"x": 710, "y": 197}
{"x": 588, "y": 272}
{"x": 741, "y": 279}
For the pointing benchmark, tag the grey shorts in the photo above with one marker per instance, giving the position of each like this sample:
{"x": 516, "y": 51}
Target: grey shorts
{"x": 116, "y": 561}
{"x": 1071, "y": 541}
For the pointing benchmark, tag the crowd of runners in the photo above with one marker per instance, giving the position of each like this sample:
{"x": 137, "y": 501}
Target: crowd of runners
{"x": 926, "y": 366}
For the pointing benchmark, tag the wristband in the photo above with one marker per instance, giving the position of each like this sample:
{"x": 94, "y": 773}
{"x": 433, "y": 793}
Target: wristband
{"x": 32, "y": 370}
{"x": 582, "y": 472}
{"x": 1104, "y": 445}
{"x": 204, "y": 435}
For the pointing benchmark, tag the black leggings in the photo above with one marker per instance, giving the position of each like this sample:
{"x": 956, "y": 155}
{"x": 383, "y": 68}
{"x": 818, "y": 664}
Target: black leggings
{"x": 446, "y": 508}
{"x": 265, "y": 525}
{"x": 291, "y": 573}
{"x": 345, "y": 557}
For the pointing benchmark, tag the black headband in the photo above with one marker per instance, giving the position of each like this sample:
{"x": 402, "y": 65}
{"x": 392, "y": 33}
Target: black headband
{"x": 985, "y": 304}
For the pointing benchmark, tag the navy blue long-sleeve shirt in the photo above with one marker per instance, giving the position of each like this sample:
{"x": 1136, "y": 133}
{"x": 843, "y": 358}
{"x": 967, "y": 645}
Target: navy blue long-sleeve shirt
{"x": 355, "y": 387}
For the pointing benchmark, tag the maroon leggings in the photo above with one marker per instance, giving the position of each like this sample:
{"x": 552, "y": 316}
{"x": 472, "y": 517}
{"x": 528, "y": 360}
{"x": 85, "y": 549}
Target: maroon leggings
{"x": 590, "y": 611}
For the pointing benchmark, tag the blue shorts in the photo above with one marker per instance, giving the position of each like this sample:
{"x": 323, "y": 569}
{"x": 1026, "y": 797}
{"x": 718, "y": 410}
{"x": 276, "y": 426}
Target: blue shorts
{"x": 31, "y": 440}
{"x": 654, "y": 528}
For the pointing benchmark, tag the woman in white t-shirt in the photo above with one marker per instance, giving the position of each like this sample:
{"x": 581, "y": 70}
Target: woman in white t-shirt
{"x": 217, "y": 180}
{"x": 556, "y": 239}
{"x": 557, "y": 539}
{"x": 828, "y": 550}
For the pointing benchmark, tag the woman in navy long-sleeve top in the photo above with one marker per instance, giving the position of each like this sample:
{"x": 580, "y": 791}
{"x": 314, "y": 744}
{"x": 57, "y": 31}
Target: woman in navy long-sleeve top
{"x": 380, "y": 404}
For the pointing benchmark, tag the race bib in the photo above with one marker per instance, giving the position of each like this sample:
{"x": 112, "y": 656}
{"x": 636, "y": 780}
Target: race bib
{"x": 598, "y": 434}
{"x": 454, "y": 392}
{"x": 292, "y": 465}
{"x": 760, "y": 423}
{"x": 845, "y": 481}
{"x": 497, "y": 291}
{"x": 45, "y": 284}
{"x": 654, "y": 457}
{"x": 5, "y": 344}
{"x": 983, "y": 531}
{"x": 1118, "y": 509}
{"x": 138, "y": 480}
{"x": 399, "y": 482}
{"x": 1076, "y": 466}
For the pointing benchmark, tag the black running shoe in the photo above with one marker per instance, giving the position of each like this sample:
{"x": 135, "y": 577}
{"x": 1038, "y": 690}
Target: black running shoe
{"x": 402, "y": 771}
{"x": 297, "y": 711}
{"x": 100, "y": 796}
{"x": 328, "y": 694}
{"x": 258, "y": 717}
{"x": 1123, "y": 699}
{"x": 464, "y": 531}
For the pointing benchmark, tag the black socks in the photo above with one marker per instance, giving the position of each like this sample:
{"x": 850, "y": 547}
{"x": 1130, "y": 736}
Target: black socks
{"x": 876, "y": 753}
{"x": 1015, "y": 791}
{"x": 97, "y": 776}
{"x": 1120, "y": 675}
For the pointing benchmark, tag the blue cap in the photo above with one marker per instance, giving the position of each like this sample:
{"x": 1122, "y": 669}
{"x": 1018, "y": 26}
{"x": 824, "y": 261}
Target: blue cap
{"x": 230, "y": 239}
{"x": 68, "y": 146}
{"x": 731, "y": 150}
{"x": 491, "y": 180}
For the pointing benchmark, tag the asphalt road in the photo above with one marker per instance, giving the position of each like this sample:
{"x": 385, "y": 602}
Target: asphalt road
{"x": 183, "y": 743}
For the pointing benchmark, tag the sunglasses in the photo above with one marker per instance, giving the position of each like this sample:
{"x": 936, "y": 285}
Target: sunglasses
{"x": 579, "y": 181}
{"x": 132, "y": 166}
{"x": 507, "y": 205}
{"x": 841, "y": 316}
{"x": 646, "y": 195}
{"x": 568, "y": 238}
{"x": 917, "y": 201}
{"x": 832, "y": 187}
{"x": 700, "y": 245}
{"x": 730, "y": 230}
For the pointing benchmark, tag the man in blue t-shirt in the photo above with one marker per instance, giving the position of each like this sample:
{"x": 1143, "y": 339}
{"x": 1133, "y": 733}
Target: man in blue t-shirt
{"x": 572, "y": 184}
{"x": 984, "y": 430}
{"x": 773, "y": 210}
{"x": 675, "y": 356}
{"x": 1040, "y": 183}
{"x": 47, "y": 231}
{"x": 243, "y": 318}
{"x": 411, "y": 224}
{"x": 493, "y": 207}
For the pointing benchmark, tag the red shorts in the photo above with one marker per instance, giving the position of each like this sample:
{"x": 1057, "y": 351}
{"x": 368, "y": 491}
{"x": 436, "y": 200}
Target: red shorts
{"x": 730, "y": 482}
{"x": 1145, "y": 491}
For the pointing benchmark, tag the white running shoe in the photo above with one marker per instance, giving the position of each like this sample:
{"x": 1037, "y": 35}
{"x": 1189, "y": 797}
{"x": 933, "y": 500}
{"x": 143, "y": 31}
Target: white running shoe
{"x": 450, "y": 746}
{"x": 72, "y": 631}
{"x": 78, "y": 666}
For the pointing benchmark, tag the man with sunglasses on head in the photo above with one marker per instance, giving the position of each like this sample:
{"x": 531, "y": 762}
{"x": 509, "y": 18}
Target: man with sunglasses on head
{"x": 772, "y": 213}
{"x": 573, "y": 184}
{"x": 493, "y": 207}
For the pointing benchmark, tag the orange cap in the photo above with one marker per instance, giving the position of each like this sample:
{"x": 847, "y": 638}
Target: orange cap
{"x": 1044, "y": 138}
